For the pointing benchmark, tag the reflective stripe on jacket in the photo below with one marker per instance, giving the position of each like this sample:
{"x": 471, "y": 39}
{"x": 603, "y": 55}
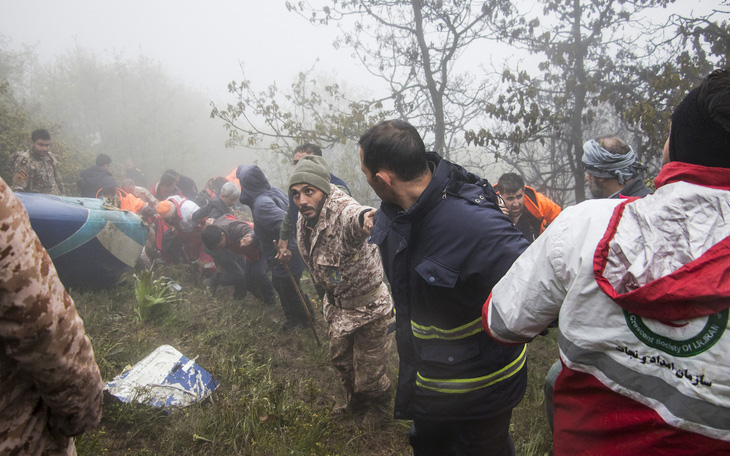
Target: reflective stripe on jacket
{"x": 442, "y": 256}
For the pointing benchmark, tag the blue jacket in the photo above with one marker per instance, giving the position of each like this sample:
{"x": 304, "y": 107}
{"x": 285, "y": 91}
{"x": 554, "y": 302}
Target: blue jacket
{"x": 442, "y": 257}
{"x": 268, "y": 205}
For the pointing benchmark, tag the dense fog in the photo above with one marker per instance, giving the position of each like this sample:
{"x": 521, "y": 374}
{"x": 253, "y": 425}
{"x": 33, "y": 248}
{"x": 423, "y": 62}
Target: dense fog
{"x": 506, "y": 86}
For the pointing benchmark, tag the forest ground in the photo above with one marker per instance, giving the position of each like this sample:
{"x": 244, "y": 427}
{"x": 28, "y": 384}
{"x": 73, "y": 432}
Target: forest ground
{"x": 276, "y": 391}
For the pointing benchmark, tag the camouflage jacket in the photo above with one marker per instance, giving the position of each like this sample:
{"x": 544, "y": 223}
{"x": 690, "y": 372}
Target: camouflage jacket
{"x": 50, "y": 387}
{"x": 342, "y": 262}
{"x": 36, "y": 174}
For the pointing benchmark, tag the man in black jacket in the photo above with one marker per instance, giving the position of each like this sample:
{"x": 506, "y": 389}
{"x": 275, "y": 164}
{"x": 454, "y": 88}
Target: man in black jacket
{"x": 444, "y": 244}
{"x": 239, "y": 265}
{"x": 97, "y": 177}
{"x": 220, "y": 205}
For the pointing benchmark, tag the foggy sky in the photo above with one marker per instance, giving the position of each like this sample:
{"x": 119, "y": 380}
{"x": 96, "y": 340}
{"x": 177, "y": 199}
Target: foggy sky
{"x": 199, "y": 42}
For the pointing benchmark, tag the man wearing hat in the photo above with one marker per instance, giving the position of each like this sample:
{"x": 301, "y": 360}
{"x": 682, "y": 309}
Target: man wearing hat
{"x": 642, "y": 291}
{"x": 357, "y": 304}
{"x": 612, "y": 170}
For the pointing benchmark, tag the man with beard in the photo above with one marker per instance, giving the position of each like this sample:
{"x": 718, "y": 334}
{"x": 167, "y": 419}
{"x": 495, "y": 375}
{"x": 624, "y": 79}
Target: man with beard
{"x": 357, "y": 304}
{"x": 612, "y": 170}
{"x": 35, "y": 170}
{"x": 444, "y": 243}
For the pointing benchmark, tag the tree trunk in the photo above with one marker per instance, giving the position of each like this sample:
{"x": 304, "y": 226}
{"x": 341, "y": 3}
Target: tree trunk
{"x": 433, "y": 89}
{"x": 576, "y": 118}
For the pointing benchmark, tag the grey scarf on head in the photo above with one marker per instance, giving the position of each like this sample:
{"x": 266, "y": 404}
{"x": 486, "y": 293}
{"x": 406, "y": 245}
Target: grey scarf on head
{"x": 599, "y": 162}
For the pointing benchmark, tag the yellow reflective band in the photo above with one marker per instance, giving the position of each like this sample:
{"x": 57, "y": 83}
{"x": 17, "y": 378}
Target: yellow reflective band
{"x": 432, "y": 332}
{"x": 465, "y": 385}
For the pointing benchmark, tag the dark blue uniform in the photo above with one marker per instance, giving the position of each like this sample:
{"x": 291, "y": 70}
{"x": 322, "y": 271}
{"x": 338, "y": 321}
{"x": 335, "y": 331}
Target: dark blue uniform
{"x": 442, "y": 257}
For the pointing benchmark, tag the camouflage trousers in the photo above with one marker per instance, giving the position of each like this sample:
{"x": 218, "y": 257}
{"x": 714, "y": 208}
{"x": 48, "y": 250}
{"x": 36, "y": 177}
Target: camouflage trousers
{"x": 361, "y": 359}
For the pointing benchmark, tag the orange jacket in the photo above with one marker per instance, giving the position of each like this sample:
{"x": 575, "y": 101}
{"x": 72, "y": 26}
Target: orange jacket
{"x": 233, "y": 178}
{"x": 132, "y": 203}
{"x": 127, "y": 201}
{"x": 540, "y": 206}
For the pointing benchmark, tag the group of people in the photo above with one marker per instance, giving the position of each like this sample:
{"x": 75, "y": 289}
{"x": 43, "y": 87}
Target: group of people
{"x": 636, "y": 283}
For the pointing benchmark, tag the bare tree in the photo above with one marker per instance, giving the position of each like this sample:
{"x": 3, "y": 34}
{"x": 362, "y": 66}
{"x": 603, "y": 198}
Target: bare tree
{"x": 645, "y": 95}
{"x": 584, "y": 44}
{"x": 414, "y": 46}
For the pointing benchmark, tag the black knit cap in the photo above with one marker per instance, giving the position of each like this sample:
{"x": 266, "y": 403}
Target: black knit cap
{"x": 696, "y": 138}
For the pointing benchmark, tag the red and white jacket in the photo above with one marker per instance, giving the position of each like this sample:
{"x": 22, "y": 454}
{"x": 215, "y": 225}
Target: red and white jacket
{"x": 642, "y": 291}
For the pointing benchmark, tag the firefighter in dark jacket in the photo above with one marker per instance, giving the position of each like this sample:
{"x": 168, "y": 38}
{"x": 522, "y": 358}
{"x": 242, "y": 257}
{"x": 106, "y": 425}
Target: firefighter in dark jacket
{"x": 444, "y": 243}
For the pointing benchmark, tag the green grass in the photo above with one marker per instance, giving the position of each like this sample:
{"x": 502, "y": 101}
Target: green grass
{"x": 276, "y": 389}
{"x": 154, "y": 295}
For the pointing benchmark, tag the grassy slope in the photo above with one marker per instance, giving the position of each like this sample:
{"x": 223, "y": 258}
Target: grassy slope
{"x": 276, "y": 389}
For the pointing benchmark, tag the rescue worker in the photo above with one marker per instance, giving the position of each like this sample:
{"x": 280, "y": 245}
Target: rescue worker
{"x": 641, "y": 287}
{"x": 288, "y": 225}
{"x": 166, "y": 187}
{"x": 612, "y": 170}
{"x": 178, "y": 234}
{"x": 186, "y": 184}
{"x": 96, "y": 177}
{"x": 36, "y": 169}
{"x": 220, "y": 205}
{"x": 530, "y": 211}
{"x": 357, "y": 304}
{"x": 268, "y": 205}
{"x": 444, "y": 243}
{"x": 51, "y": 387}
{"x": 237, "y": 258}
{"x": 129, "y": 186}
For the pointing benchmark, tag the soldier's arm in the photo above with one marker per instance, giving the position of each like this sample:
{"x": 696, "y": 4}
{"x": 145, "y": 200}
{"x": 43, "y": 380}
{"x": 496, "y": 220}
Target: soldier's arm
{"x": 357, "y": 220}
{"x": 40, "y": 330}
{"x": 21, "y": 174}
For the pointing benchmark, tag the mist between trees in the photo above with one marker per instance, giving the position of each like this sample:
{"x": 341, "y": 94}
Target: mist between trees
{"x": 497, "y": 86}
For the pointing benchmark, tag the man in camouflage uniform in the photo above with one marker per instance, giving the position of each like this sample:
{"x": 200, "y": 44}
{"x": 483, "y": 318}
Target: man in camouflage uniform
{"x": 50, "y": 387}
{"x": 357, "y": 304}
{"x": 35, "y": 170}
